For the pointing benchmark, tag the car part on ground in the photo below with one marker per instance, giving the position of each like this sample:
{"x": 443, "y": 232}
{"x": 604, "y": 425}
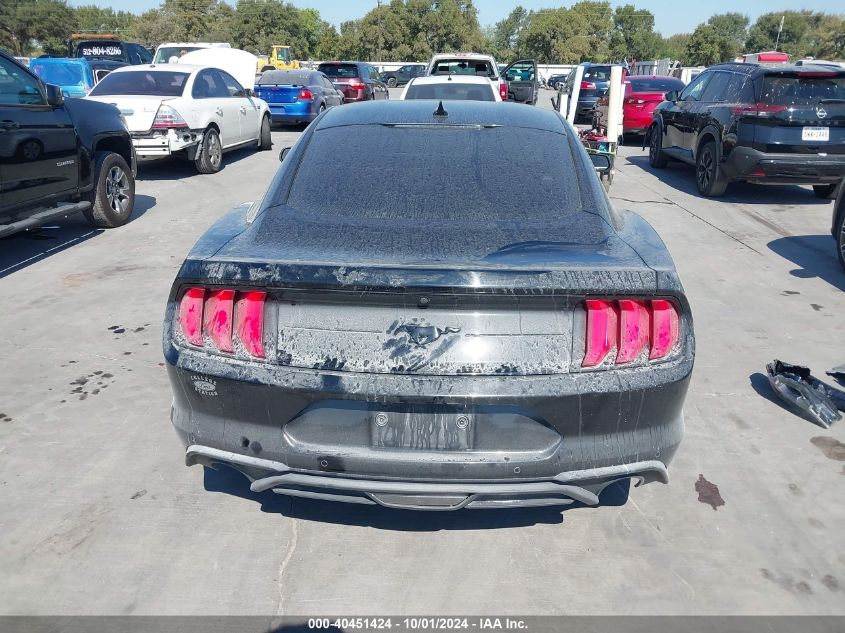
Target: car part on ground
{"x": 812, "y": 398}
{"x": 60, "y": 157}
{"x": 447, "y": 348}
{"x": 756, "y": 123}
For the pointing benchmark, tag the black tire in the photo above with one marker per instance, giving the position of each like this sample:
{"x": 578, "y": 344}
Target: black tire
{"x": 265, "y": 141}
{"x": 839, "y": 234}
{"x": 824, "y": 191}
{"x": 656, "y": 157}
{"x": 210, "y": 157}
{"x": 113, "y": 196}
{"x": 708, "y": 174}
{"x": 391, "y": 82}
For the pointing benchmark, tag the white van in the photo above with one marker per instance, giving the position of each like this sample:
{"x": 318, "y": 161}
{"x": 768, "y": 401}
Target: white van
{"x": 170, "y": 52}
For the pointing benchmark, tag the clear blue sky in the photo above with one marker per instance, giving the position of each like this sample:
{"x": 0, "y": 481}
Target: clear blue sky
{"x": 671, "y": 16}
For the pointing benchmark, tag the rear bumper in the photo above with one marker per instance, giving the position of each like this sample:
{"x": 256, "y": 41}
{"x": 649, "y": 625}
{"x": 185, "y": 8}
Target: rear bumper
{"x": 291, "y": 112}
{"x": 524, "y": 437}
{"x": 745, "y": 163}
{"x": 583, "y": 486}
{"x": 637, "y": 123}
{"x": 157, "y": 146}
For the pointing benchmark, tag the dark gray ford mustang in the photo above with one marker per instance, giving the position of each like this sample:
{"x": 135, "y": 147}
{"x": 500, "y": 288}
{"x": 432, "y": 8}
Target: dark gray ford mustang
{"x": 470, "y": 342}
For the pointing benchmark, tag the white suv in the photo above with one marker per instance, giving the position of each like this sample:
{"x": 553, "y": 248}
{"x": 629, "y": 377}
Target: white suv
{"x": 468, "y": 64}
{"x": 517, "y": 82}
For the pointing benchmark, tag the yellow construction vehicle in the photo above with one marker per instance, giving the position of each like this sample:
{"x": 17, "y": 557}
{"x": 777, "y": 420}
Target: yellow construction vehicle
{"x": 279, "y": 59}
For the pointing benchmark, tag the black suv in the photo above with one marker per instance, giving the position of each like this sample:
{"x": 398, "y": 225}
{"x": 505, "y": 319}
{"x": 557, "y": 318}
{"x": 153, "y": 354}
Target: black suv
{"x": 762, "y": 124}
{"x": 108, "y": 47}
{"x": 60, "y": 157}
{"x": 403, "y": 75}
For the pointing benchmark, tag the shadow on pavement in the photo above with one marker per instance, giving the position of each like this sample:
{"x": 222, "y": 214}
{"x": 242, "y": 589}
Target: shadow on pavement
{"x": 681, "y": 176}
{"x": 176, "y": 169}
{"x": 24, "y": 249}
{"x": 228, "y": 481}
{"x": 815, "y": 256}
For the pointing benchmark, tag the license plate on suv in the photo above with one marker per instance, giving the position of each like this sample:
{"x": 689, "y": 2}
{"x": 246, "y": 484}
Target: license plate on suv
{"x": 815, "y": 134}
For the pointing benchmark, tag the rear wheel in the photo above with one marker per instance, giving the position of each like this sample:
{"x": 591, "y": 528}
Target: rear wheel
{"x": 266, "y": 141}
{"x": 113, "y": 197}
{"x": 391, "y": 82}
{"x": 210, "y": 158}
{"x": 708, "y": 175}
{"x": 824, "y": 191}
{"x": 656, "y": 157}
{"x": 839, "y": 233}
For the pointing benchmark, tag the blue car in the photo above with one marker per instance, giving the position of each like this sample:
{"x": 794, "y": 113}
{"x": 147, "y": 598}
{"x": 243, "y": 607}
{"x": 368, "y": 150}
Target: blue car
{"x": 74, "y": 76}
{"x": 296, "y": 96}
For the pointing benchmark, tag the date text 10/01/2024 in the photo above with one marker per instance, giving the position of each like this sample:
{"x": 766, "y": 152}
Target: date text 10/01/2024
{"x": 418, "y": 624}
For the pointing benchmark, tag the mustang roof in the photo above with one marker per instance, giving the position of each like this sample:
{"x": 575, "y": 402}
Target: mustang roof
{"x": 412, "y": 112}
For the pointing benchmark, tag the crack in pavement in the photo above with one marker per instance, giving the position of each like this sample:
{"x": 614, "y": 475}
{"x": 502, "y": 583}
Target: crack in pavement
{"x": 285, "y": 562}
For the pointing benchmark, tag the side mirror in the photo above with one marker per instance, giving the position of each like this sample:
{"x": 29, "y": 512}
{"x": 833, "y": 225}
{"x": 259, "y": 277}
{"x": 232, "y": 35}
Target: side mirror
{"x": 672, "y": 96}
{"x": 284, "y": 153}
{"x": 55, "y": 97}
{"x": 601, "y": 162}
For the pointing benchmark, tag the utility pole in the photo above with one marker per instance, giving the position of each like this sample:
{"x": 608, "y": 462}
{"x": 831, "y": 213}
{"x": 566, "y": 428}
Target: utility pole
{"x": 380, "y": 34}
{"x": 780, "y": 28}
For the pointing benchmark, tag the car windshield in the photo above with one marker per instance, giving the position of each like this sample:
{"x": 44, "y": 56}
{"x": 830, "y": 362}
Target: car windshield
{"x": 655, "y": 84}
{"x": 340, "y": 71}
{"x": 450, "y": 175}
{"x": 96, "y": 48}
{"x": 284, "y": 78}
{"x": 171, "y": 54}
{"x": 160, "y": 83}
{"x": 62, "y": 74}
{"x": 477, "y": 67}
{"x": 451, "y": 90}
{"x": 803, "y": 90}
{"x": 597, "y": 73}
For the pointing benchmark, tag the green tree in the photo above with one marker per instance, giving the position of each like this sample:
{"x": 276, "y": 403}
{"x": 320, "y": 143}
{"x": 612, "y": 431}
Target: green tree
{"x": 795, "y": 39}
{"x": 674, "y": 46}
{"x": 506, "y": 34}
{"x": 829, "y": 38}
{"x": 556, "y": 36}
{"x": 152, "y": 27}
{"x": 25, "y": 23}
{"x": 594, "y": 22}
{"x": 703, "y": 47}
{"x": 731, "y": 32}
{"x": 633, "y": 34}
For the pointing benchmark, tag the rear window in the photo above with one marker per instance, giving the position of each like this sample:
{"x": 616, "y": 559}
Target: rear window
{"x": 477, "y": 67}
{"x": 452, "y": 91}
{"x": 159, "y": 83}
{"x": 171, "y": 54}
{"x": 340, "y": 71}
{"x": 448, "y": 174}
{"x": 597, "y": 73}
{"x": 655, "y": 84}
{"x": 802, "y": 90}
{"x": 284, "y": 78}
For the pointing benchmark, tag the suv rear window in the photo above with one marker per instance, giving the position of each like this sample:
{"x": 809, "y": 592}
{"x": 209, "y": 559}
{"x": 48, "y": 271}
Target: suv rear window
{"x": 802, "y": 90}
{"x": 159, "y": 83}
{"x": 597, "y": 73}
{"x": 339, "y": 71}
{"x": 452, "y": 91}
{"x": 450, "y": 175}
{"x": 477, "y": 67}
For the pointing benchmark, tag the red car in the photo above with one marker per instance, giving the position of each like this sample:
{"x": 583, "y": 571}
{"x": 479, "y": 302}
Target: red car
{"x": 642, "y": 94}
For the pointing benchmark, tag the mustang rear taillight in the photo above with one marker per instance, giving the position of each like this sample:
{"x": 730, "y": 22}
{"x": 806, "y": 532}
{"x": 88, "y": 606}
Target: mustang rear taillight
{"x": 625, "y": 329}
{"x": 221, "y": 315}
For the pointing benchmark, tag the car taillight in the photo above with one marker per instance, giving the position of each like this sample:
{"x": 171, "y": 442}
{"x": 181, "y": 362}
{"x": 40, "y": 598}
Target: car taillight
{"x": 503, "y": 91}
{"x": 625, "y": 329}
{"x": 588, "y": 85}
{"x": 305, "y": 95}
{"x": 167, "y": 118}
{"x": 632, "y": 101}
{"x": 358, "y": 86}
{"x": 758, "y": 109}
{"x": 221, "y": 314}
